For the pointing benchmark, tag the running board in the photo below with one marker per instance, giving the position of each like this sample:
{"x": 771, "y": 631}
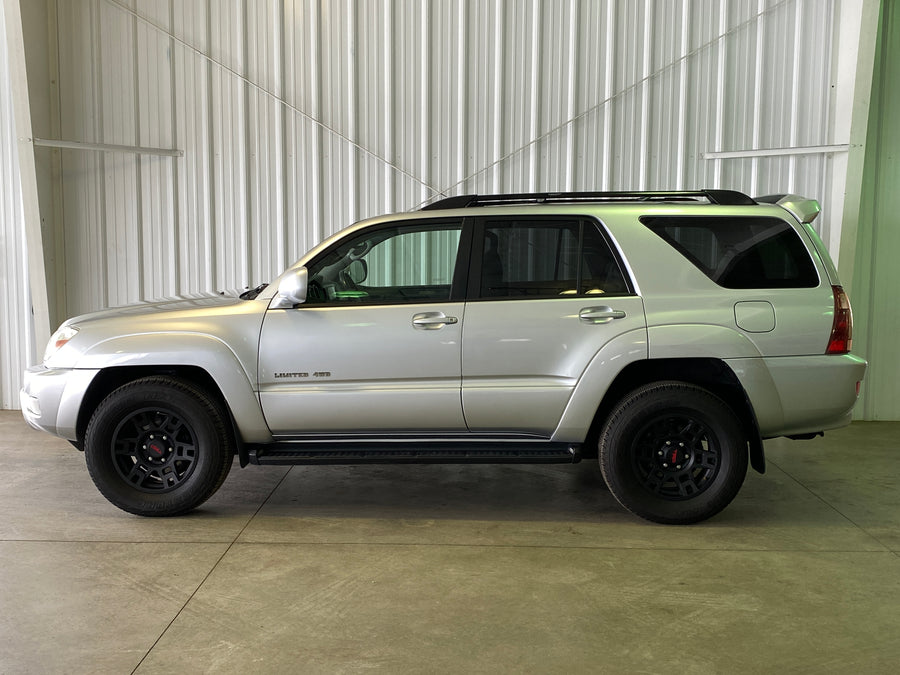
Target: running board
{"x": 412, "y": 453}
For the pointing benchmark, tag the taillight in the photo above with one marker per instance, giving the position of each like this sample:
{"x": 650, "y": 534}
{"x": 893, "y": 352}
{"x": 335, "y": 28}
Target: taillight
{"x": 841, "y": 340}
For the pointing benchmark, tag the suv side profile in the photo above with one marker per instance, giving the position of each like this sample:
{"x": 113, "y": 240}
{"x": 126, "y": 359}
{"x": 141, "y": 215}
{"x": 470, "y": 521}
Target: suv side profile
{"x": 666, "y": 334}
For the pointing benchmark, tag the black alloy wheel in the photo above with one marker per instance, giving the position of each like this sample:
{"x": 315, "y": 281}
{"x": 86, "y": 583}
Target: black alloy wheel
{"x": 154, "y": 449}
{"x": 676, "y": 456}
{"x": 158, "y": 446}
{"x": 673, "y": 453}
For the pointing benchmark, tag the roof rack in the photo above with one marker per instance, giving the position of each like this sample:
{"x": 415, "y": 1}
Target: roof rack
{"x": 721, "y": 197}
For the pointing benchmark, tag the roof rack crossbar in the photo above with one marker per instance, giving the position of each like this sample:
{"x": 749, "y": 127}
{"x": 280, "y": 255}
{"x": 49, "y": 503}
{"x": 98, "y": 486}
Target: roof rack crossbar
{"x": 720, "y": 197}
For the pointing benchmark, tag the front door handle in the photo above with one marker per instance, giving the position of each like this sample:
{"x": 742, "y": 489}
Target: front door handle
{"x": 432, "y": 320}
{"x": 602, "y": 314}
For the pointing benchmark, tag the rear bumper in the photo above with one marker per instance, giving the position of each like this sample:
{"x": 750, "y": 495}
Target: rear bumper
{"x": 801, "y": 394}
{"x": 51, "y": 398}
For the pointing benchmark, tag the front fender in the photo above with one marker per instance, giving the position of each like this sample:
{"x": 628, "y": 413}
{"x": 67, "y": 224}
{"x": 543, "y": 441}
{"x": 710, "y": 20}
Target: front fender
{"x": 235, "y": 378}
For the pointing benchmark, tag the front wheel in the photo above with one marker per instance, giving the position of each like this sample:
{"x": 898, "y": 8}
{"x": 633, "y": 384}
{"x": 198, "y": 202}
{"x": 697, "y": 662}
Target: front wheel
{"x": 673, "y": 453}
{"x": 158, "y": 447}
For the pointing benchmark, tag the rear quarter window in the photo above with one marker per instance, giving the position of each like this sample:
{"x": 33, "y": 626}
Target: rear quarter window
{"x": 739, "y": 251}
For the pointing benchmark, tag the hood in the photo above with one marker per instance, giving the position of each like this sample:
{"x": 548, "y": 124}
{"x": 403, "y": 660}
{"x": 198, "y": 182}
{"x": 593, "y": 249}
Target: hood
{"x": 149, "y": 331}
{"x": 161, "y": 306}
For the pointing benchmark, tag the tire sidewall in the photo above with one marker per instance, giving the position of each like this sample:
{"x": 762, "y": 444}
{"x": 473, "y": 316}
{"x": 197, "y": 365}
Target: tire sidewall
{"x": 633, "y": 416}
{"x": 168, "y": 396}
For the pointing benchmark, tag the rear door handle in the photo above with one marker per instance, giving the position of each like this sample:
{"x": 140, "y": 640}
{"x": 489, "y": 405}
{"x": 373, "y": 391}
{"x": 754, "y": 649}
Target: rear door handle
{"x": 432, "y": 320}
{"x": 602, "y": 314}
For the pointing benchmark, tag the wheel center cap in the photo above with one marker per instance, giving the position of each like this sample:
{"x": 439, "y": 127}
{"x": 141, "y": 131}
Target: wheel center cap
{"x": 673, "y": 456}
{"x": 156, "y": 450}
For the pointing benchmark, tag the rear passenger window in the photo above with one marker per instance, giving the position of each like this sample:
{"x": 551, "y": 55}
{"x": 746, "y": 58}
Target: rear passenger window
{"x": 740, "y": 252}
{"x": 547, "y": 258}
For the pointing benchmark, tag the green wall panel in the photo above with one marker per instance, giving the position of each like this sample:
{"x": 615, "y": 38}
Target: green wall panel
{"x": 876, "y": 278}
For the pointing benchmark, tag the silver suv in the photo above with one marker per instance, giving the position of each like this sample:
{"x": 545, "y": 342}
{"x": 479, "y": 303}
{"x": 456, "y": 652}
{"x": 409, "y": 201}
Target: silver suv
{"x": 664, "y": 333}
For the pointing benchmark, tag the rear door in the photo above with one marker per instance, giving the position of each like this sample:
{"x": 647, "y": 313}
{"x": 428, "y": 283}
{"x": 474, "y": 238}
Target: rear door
{"x": 545, "y": 295}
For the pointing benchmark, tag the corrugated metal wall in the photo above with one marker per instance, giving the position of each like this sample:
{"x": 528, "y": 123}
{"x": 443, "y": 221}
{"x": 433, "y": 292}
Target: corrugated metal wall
{"x": 15, "y": 305}
{"x": 297, "y": 117}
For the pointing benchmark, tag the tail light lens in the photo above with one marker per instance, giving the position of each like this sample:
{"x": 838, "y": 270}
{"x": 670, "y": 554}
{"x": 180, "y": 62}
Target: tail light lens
{"x": 841, "y": 340}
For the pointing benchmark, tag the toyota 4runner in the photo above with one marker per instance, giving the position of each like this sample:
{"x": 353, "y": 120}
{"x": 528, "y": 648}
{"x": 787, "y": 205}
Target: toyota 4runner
{"x": 664, "y": 333}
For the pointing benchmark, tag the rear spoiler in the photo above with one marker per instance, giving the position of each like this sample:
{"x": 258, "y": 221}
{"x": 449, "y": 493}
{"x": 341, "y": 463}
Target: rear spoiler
{"x": 803, "y": 209}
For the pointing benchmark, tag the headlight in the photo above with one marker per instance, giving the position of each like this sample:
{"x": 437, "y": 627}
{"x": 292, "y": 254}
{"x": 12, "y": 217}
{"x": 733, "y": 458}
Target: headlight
{"x": 58, "y": 339}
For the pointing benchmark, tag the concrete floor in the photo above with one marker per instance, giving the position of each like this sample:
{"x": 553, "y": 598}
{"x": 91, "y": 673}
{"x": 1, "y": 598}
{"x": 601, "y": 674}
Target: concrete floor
{"x": 453, "y": 569}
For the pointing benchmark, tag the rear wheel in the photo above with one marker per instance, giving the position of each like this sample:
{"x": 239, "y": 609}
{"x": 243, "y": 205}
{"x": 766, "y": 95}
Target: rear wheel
{"x": 674, "y": 453}
{"x": 158, "y": 446}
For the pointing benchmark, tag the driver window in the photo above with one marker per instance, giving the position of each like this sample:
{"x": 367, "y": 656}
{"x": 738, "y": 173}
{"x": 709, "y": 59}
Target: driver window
{"x": 388, "y": 265}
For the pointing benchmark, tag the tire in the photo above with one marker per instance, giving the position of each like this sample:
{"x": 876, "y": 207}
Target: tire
{"x": 158, "y": 446}
{"x": 673, "y": 453}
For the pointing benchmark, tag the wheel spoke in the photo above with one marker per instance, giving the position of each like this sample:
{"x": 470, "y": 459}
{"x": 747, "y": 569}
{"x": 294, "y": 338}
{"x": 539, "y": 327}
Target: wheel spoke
{"x": 674, "y": 458}
{"x": 143, "y": 421}
{"x": 138, "y": 474}
{"x": 708, "y": 460}
{"x": 185, "y": 451}
{"x": 653, "y": 482}
{"x": 154, "y": 449}
{"x": 124, "y": 439}
{"x": 125, "y": 446}
{"x": 165, "y": 477}
{"x": 693, "y": 433}
{"x": 687, "y": 486}
{"x": 173, "y": 426}
{"x": 174, "y": 476}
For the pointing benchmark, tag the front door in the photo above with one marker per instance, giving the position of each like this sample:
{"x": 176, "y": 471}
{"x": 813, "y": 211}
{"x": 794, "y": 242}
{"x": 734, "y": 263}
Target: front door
{"x": 376, "y": 347}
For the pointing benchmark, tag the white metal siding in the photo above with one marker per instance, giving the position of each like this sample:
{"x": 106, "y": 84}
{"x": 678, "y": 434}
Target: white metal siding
{"x": 298, "y": 117}
{"x": 16, "y": 334}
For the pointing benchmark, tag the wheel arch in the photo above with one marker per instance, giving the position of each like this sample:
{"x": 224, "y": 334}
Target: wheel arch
{"x": 110, "y": 379}
{"x": 711, "y": 374}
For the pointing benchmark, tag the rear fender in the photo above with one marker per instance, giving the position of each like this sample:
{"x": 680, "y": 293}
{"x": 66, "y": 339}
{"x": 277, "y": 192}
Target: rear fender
{"x": 595, "y": 381}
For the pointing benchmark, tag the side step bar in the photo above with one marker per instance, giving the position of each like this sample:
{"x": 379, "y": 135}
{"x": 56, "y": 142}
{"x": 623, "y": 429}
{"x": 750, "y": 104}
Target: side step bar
{"x": 413, "y": 453}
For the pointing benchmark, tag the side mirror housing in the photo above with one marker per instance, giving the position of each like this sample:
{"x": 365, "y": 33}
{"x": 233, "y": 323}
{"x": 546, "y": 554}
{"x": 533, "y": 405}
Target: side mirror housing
{"x": 291, "y": 290}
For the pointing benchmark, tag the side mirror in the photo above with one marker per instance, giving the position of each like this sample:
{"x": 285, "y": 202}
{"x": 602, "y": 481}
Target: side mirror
{"x": 291, "y": 290}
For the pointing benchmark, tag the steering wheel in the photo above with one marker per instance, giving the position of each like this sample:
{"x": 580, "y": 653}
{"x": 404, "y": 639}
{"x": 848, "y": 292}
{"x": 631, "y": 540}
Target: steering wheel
{"x": 359, "y": 250}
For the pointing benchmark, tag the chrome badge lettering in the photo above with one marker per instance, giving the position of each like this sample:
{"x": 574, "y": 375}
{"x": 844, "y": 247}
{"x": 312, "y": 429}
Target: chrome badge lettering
{"x": 318, "y": 373}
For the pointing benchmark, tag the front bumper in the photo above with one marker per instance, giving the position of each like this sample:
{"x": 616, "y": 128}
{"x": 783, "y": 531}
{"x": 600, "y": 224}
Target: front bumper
{"x": 51, "y": 398}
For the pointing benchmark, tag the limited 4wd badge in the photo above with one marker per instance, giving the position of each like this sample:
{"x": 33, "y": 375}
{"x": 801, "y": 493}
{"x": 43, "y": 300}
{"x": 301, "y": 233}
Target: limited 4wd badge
{"x": 318, "y": 373}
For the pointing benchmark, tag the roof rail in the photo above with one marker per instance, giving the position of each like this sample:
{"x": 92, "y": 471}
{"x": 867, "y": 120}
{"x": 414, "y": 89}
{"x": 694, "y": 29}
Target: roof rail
{"x": 722, "y": 197}
{"x": 803, "y": 209}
